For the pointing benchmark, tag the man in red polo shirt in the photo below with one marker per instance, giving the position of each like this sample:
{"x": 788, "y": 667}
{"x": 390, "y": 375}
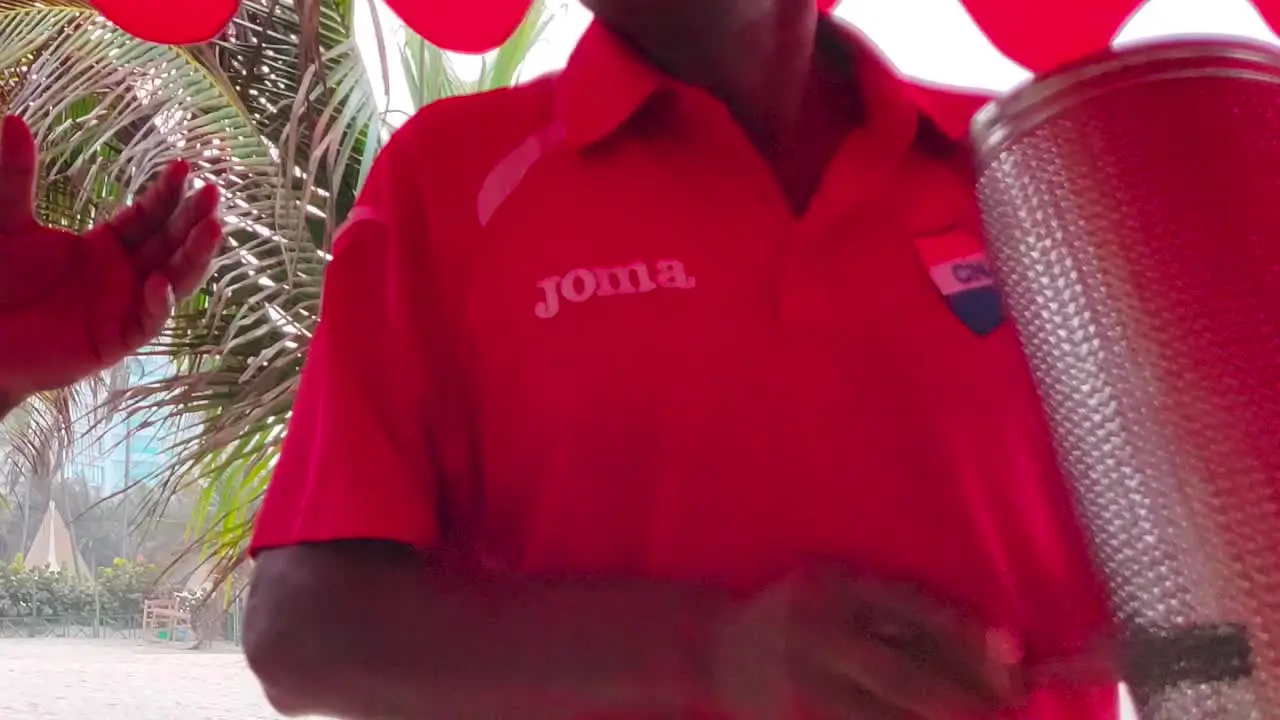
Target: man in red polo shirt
{"x": 673, "y": 386}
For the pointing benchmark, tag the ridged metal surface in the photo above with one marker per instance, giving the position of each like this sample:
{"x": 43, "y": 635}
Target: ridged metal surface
{"x": 1132, "y": 207}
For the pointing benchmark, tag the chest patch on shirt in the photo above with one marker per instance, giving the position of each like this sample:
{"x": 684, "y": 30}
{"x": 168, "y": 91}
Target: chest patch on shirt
{"x": 957, "y": 265}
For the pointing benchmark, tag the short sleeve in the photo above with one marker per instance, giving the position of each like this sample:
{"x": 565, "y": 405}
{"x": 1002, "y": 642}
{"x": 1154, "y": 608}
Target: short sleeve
{"x": 356, "y": 463}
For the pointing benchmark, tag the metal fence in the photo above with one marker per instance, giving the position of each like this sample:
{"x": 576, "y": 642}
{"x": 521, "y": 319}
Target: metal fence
{"x": 84, "y": 627}
{"x": 125, "y": 627}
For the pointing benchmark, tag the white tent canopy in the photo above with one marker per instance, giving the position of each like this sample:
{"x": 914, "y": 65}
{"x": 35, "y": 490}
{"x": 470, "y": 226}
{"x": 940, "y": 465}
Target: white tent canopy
{"x": 54, "y": 546}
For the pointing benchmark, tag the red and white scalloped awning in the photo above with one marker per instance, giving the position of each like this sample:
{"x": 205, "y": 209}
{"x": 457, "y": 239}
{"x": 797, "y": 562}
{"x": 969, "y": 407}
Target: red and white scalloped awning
{"x": 1038, "y": 34}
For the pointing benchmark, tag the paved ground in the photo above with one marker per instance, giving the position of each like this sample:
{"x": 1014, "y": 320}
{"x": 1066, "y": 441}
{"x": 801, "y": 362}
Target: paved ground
{"x": 107, "y": 680}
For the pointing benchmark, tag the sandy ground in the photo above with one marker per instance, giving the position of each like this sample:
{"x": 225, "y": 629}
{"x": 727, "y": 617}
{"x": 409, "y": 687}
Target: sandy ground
{"x": 106, "y": 680}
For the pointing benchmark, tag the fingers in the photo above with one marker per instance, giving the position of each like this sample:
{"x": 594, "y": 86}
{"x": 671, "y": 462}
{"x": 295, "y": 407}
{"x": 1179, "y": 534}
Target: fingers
{"x": 1004, "y": 669}
{"x": 17, "y": 174}
{"x": 195, "y": 209}
{"x": 909, "y": 685}
{"x": 831, "y": 695}
{"x": 150, "y": 213}
{"x": 157, "y": 305}
{"x": 984, "y": 661}
{"x": 888, "y": 642}
{"x": 190, "y": 264}
{"x": 161, "y": 248}
{"x": 1094, "y": 665}
{"x": 171, "y": 241}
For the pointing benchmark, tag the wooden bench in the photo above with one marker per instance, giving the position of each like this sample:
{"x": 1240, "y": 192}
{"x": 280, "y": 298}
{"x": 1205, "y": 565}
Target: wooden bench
{"x": 164, "y": 614}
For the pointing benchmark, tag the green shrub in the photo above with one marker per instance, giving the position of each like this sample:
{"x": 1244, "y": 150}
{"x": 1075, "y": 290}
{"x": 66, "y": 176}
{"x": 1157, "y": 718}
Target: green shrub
{"x": 42, "y": 593}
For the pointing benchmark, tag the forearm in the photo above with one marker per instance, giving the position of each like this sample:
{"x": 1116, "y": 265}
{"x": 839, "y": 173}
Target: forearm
{"x": 422, "y": 644}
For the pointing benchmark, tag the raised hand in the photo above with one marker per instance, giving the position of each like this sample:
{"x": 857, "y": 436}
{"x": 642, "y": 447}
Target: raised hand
{"x": 825, "y": 645}
{"x": 70, "y": 304}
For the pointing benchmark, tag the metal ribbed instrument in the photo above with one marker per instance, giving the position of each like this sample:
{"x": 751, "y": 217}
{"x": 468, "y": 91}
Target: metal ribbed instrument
{"x": 1132, "y": 209}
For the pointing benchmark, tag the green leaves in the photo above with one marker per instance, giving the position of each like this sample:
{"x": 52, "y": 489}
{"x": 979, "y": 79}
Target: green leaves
{"x": 44, "y": 593}
{"x": 501, "y": 69}
{"x": 431, "y": 74}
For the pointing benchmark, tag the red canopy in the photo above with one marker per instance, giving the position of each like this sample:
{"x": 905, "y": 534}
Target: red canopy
{"x": 1039, "y": 34}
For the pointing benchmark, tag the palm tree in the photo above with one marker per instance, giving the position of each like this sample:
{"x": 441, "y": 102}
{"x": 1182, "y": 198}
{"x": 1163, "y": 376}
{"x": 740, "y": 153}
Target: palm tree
{"x": 281, "y": 113}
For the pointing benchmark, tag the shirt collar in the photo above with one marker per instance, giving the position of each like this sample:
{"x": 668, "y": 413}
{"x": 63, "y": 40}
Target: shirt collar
{"x": 606, "y": 83}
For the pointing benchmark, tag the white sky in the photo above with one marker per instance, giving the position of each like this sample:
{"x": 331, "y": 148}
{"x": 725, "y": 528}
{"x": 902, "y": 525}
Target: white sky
{"x": 947, "y": 49}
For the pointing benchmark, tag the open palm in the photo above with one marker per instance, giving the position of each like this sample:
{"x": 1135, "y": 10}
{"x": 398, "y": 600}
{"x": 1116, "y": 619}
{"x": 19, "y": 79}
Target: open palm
{"x": 70, "y": 304}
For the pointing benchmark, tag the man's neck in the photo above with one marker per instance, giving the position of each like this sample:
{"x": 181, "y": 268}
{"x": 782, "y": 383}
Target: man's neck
{"x": 755, "y": 55}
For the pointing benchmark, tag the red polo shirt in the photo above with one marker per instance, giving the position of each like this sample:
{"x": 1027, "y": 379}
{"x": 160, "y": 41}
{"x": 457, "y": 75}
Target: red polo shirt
{"x": 574, "y": 326}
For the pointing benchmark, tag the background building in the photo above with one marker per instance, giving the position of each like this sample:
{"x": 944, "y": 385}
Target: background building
{"x": 116, "y": 452}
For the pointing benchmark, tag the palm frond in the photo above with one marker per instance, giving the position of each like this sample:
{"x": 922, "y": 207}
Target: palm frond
{"x": 432, "y": 75}
{"x": 503, "y": 67}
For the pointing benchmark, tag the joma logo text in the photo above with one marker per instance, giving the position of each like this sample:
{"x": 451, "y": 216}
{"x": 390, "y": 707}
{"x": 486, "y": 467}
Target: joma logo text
{"x": 581, "y": 284}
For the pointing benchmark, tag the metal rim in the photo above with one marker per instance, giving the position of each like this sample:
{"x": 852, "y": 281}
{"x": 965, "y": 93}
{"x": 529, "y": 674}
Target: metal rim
{"x": 1006, "y": 118}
